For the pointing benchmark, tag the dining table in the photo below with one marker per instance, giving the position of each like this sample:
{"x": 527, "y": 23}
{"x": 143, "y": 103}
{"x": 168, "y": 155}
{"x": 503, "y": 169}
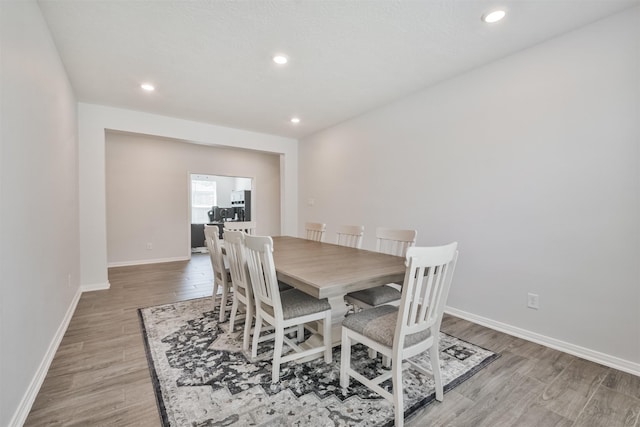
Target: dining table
{"x": 325, "y": 270}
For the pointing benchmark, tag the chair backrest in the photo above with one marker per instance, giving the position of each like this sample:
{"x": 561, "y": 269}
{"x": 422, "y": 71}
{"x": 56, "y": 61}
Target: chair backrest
{"x": 350, "y": 235}
{"x": 315, "y": 231}
{"x": 425, "y": 289}
{"x": 211, "y": 233}
{"x": 249, "y": 227}
{"x": 208, "y": 230}
{"x": 262, "y": 270}
{"x": 234, "y": 247}
{"x": 395, "y": 242}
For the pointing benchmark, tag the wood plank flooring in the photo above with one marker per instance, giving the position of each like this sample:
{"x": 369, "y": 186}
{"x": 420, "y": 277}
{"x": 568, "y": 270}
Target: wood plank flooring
{"x": 99, "y": 375}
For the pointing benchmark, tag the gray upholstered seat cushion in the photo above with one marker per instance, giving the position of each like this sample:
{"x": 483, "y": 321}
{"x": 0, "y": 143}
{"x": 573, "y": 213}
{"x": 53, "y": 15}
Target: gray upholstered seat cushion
{"x": 296, "y": 303}
{"x": 377, "y": 296}
{"x": 379, "y": 324}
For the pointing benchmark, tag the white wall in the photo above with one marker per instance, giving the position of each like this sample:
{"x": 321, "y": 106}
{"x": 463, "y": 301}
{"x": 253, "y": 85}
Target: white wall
{"x": 225, "y": 185}
{"x": 95, "y": 119}
{"x": 224, "y": 188}
{"x": 531, "y": 163}
{"x": 147, "y": 187}
{"x": 39, "y": 265}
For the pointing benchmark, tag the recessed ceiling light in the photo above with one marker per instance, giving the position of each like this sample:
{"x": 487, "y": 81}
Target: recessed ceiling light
{"x": 494, "y": 16}
{"x": 295, "y": 120}
{"x": 280, "y": 59}
{"x": 148, "y": 87}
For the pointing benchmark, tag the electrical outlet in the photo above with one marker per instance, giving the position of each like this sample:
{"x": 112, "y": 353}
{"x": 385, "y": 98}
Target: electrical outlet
{"x": 149, "y": 246}
{"x": 533, "y": 301}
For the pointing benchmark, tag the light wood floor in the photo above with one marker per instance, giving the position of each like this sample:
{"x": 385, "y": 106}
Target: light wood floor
{"x": 100, "y": 376}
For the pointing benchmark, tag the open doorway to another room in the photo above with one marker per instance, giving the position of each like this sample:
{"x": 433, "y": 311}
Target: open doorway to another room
{"x": 214, "y": 200}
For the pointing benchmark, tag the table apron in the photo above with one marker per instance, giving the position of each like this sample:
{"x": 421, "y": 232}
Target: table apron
{"x": 342, "y": 289}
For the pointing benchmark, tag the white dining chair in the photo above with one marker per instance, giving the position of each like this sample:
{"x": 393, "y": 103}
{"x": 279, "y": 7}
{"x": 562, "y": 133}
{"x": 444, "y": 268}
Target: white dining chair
{"x": 248, "y": 227}
{"x": 282, "y": 310}
{"x": 221, "y": 274}
{"x": 315, "y": 231}
{"x": 350, "y": 235}
{"x": 242, "y": 290}
{"x": 405, "y": 331}
{"x": 392, "y": 242}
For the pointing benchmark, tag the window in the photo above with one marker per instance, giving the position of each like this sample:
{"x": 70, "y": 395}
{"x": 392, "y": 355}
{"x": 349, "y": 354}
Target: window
{"x": 203, "y": 197}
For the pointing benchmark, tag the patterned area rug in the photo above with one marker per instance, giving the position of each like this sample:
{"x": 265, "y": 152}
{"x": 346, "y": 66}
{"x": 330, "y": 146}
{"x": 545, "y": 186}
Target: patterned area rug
{"x": 202, "y": 377}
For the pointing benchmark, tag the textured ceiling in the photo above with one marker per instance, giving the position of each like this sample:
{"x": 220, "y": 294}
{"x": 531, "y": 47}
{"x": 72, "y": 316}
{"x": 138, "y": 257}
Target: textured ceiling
{"x": 211, "y": 60}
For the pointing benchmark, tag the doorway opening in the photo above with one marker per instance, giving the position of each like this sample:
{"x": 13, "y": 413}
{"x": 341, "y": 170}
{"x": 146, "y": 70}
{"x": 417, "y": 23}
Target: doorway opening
{"x": 214, "y": 200}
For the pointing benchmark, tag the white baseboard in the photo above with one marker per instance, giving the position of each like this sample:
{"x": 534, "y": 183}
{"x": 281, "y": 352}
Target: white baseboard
{"x": 148, "y": 261}
{"x": 95, "y": 287}
{"x": 582, "y": 352}
{"x": 20, "y": 416}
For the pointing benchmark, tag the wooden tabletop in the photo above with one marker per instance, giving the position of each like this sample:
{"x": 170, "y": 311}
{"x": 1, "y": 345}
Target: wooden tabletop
{"x": 324, "y": 270}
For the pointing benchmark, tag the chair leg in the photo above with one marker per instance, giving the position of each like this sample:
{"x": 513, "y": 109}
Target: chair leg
{"x": 215, "y": 292}
{"x": 328, "y": 347}
{"x": 300, "y": 333}
{"x": 386, "y": 361}
{"x": 435, "y": 368}
{"x": 232, "y": 316}
{"x": 396, "y": 377}
{"x": 256, "y": 336}
{"x": 223, "y": 302}
{"x": 372, "y": 353}
{"x": 247, "y": 326}
{"x": 277, "y": 354}
{"x": 345, "y": 359}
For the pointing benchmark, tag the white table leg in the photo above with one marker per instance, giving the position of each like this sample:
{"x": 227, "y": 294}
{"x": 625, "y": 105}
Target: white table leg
{"x": 338, "y": 311}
